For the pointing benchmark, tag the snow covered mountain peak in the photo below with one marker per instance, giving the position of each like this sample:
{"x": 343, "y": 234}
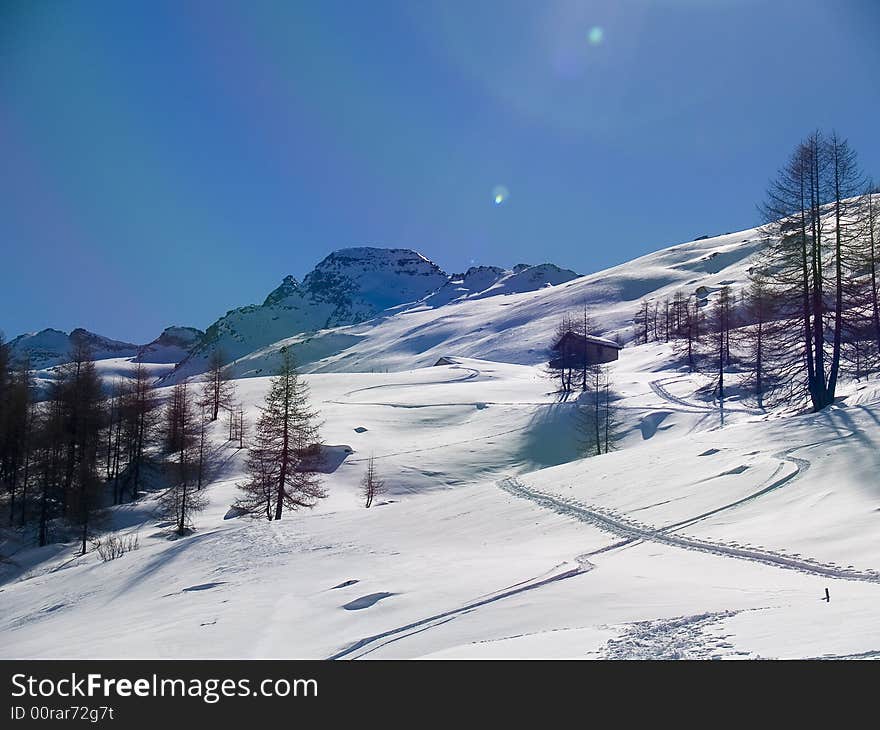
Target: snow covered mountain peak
{"x": 363, "y": 281}
{"x": 347, "y": 287}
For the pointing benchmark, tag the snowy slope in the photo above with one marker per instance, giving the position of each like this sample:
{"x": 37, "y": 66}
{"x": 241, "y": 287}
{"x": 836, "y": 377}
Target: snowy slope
{"x": 516, "y": 327}
{"x": 708, "y": 534}
{"x": 513, "y": 318}
{"x": 694, "y": 540}
{"x": 349, "y": 287}
{"x": 367, "y": 309}
{"x": 172, "y": 346}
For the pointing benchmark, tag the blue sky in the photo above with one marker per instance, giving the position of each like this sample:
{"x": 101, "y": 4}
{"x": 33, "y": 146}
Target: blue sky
{"x": 168, "y": 161}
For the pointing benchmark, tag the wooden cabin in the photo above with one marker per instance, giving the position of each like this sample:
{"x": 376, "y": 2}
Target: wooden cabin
{"x": 572, "y": 349}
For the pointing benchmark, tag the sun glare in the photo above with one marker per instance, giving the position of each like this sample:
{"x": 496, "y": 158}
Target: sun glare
{"x": 500, "y": 194}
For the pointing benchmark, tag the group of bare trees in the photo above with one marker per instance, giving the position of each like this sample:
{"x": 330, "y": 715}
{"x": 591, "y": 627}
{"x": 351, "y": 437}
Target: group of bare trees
{"x": 672, "y": 319}
{"x": 820, "y": 266}
{"x": 810, "y": 312}
{"x": 131, "y": 423}
{"x": 76, "y": 445}
{"x": 51, "y": 451}
{"x": 84, "y": 445}
{"x": 596, "y": 416}
{"x": 190, "y": 455}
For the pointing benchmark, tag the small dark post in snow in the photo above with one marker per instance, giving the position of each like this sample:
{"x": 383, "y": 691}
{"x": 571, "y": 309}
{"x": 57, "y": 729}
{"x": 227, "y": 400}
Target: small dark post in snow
{"x": 827, "y": 596}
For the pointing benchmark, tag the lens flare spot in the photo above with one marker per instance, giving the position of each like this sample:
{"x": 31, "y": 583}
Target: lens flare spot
{"x": 596, "y": 35}
{"x": 500, "y": 194}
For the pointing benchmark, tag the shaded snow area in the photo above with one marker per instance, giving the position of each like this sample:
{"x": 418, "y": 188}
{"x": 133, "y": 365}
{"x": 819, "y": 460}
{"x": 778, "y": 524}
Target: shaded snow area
{"x": 707, "y": 534}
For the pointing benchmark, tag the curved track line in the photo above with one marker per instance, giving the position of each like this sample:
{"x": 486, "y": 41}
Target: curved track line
{"x": 631, "y": 531}
{"x": 800, "y": 467}
{"x": 470, "y": 375}
{"x": 401, "y": 632}
{"x": 659, "y": 388}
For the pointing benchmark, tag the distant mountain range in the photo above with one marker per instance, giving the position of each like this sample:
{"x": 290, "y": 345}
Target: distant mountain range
{"x": 348, "y": 287}
{"x": 50, "y": 347}
{"x": 367, "y": 308}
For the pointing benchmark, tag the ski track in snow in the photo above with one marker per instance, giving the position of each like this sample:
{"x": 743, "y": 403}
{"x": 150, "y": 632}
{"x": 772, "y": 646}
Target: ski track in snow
{"x": 873, "y": 654}
{"x": 470, "y": 374}
{"x": 402, "y": 632}
{"x": 768, "y": 485}
{"x": 631, "y": 532}
{"x": 659, "y": 388}
{"x": 800, "y": 467}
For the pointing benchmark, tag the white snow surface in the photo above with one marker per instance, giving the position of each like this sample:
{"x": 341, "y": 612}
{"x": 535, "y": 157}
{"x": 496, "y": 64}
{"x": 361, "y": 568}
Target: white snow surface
{"x": 707, "y": 534}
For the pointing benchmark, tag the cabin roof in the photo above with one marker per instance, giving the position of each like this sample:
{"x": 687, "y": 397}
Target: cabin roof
{"x": 602, "y": 341}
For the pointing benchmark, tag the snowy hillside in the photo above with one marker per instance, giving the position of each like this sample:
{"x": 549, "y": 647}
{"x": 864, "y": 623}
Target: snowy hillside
{"x": 367, "y": 309}
{"x": 709, "y": 533}
{"x": 348, "y": 287}
{"x": 510, "y": 316}
{"x": 171, "y": 346}
{"x": 692, "y": 541}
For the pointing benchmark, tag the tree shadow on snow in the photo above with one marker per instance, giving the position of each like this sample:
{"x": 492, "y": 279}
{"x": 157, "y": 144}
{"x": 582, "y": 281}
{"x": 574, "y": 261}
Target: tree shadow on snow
{"x": 551, "y": 437}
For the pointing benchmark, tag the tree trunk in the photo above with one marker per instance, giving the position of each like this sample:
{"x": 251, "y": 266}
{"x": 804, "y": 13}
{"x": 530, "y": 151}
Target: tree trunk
{"x": 838, "y": 290}
{"x": 759, "y": 385}
{"x": 607, "y": 417}
{"x": 598, "y": 415}
{"x": 285, "y": 451}
{"x": 27, "y": 464}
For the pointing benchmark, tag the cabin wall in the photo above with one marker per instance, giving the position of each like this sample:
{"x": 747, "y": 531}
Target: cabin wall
{"x": 574, "y": 356}
{"x": 598, "y": 354}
